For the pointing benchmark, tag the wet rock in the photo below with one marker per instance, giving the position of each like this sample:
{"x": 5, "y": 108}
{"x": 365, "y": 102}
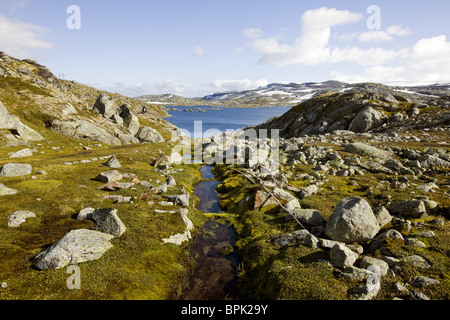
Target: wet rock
{"x": 352, "y": 221}
{"x": 76, "y": 247}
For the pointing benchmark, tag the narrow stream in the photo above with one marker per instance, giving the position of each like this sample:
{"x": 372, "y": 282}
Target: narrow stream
{"x": 214, "y": 276}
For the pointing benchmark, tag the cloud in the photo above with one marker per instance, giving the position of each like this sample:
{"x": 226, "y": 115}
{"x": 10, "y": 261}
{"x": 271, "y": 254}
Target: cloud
{"x": 388, "y": 35}
{"x": 19, "y": 38}
{"x": 428, "y": 60}
{"x": 199, "y": 52}
{"x": 253, "y": 33}
{"x": 139, "y": 89}
{"x": 233, "y": 85}
{"x": 311, "y": 47}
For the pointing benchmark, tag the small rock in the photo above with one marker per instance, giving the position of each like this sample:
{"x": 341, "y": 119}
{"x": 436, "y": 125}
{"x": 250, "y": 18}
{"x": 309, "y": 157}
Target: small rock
{"x": 416, "y": 295}
{"x": 113, "y": 163}
{"x": 22, "y": 154}
{"x": 415, "y": 243}
{"x": 417, "y": 261}
{"x": 85, "y": 214}
{"x": 366, "y": 262}
{"x": 17, "y": 218}
{"x": 15, "y": 170}
{"x": 108, "y": 222}
{"x": 4, "y": 190}
{"x": 382, "y": 215}
{"x": 421, "y": 281}
{"x": 341, "y": 256}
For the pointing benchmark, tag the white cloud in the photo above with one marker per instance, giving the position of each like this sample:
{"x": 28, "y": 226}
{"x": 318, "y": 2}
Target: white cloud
{"x": 388, "y": 35}
{"x": 253, "y": 33}
{"x": 232, "y": 85}
{"x": 427, "y": 61}
{"x": 19, "y": 38}
{"x": 199, "y": 52}
{"x": 311, "y": 47}
{"x": 139, "y": 89}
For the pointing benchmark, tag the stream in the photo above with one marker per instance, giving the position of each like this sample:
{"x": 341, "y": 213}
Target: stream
{"x": 214, "y": 276}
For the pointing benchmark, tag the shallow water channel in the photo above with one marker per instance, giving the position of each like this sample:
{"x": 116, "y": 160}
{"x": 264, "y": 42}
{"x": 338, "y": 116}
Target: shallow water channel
{"x": 213, "y": 249}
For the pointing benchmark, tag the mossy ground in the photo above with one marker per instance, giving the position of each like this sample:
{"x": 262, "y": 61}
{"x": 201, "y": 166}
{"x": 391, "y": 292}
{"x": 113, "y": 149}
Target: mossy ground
{"x": 138, "y": 266}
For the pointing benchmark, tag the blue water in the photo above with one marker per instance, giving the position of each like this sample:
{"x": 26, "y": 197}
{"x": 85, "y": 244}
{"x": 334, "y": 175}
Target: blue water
{"x": 223, "y": 120}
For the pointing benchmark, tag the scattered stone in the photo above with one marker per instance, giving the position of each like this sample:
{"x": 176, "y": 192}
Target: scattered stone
{"x": 15, "y": 170}
{"x": 309, "y": 191}
{"x": 383, "y": 216}
{"x": 17, "y": 218}
{"x": 85, "y": 214}
{"x": 118, "y": 198}
{"x": 108, "y": 222}
{"x": 366, "y": 262}
{"x": 22, "y": 154}
{"x": 76, "y": 247}
{"x": 417, "y": 261}
{"x": 113, "y": 162}
{"x": 415, "y": 243}
{"x": 179, "y": 199}
{"x": 178, "y": 239}
{"x": 355, "y": 274}
{"x": 290, "y": 239}
{"x": 171, "y": 181}
{"x": 109, "y": 176}
{"x": 352, "y": 221}
{"x": 4, "y": 190}
{"x": 367, "y": 150}
{"x": 341, "y": 256}
{"x": 263, "y": 199}
{"x": 307, "y": 216}
{"x": 416, "y": 295}
{"x": 422, "y": 281}
{"x": 401, "y": 288}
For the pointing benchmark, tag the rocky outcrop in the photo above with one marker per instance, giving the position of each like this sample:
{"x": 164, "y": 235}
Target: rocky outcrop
{"x": 12, "y": 123}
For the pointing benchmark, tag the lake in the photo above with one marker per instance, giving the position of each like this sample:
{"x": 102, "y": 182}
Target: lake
{"x": 223, "y": 119}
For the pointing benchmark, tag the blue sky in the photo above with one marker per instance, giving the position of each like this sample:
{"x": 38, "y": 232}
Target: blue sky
{"x": 198, "y": 47}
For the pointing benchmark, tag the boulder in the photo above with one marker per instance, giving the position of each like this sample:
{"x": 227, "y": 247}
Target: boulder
{"x": 109, "y": 176}
{"x": 366, "y": 262}
{"x": 17, "y": 218}
{"x": 383, "y": 216}
{"x": 409, "y": 209}
{"x": 130, "y": 121}
{"x": 352, "y": 221}
{"x": 85, "y": 214}
{"x": 341, "y": 256}
{"x": 83, "y": 129}
{"x": 10, "y": 122}
{"x": 149, "y": 135}
{"x": 106, "y": 106}
{"x": 263, "y": 199}
{"x": 363, "y": 149}
{"x": 15, "y": 170}
{"x": 22, "y": 154}
{"x": 107, "y": 221}
{"x": 367, "y": 119}
{"x": 308, "y": 191}
{"x": 76, "y": 247}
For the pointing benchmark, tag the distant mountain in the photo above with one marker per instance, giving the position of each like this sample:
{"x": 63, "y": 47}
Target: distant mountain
{"x": 291, "y": 94}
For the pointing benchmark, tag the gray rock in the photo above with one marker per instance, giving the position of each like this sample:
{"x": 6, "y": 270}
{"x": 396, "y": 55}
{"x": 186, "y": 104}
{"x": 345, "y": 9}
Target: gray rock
{"x": 15, "y": 170}
{"x": 85, "y": 214}
{"x": 171, "y": 181}
{"x": 382, "y": 238}
{"x": 409, "y": 209}
{"x": 355, "y": 274}
{"x": 106, "y": 106}
{"x": 416, "y": 295}
{"x": 383, "y": 216}
{"x": 130, "y": 121}
{"x": 179, "y": 199}
{"x": 113, "y": 162}
{"x": 290, "y": 239}
{"x": 341, "y": 256}
{"x": 366, "y": 262}
{"x": 10, "y": 122}
{"x": 421, "y": 281}
{"x": 109, "y": 176}
{"x": 4, "y": 190}
{"x": 83, "y": 129}
{"x": 375, "y": 167}
{"x": 178, "y": 239}
{"x": 417, "y": 261}
{"x": 415, "y": 243}
{"x": 367, "y": 119}
{"x": 397, "y": 167}
{"x": 311, "y": 241}
{"x": 107, "y": 221}
{"x": 352, "y": 221}
{"x": 307, "y": 216}
{"x": 363, "y": 149}
{"x": 76, "y": 247}
{"x": 308, "y": 191}
{"x": 149, "y": 135}
{"x": 17, "y": 218}
{"x": 22, "y": 154}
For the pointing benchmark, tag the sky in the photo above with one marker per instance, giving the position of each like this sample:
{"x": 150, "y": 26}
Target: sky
{"x": 197, "y": 47}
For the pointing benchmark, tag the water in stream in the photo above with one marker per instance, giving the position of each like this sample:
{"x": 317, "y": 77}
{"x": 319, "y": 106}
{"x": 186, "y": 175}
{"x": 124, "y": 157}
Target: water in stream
{"x": 216, "y": 258}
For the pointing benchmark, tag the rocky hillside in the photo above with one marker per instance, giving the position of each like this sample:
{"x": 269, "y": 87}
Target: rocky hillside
{"x": 368, "y": 107}
{"x": 35, "y": 105}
